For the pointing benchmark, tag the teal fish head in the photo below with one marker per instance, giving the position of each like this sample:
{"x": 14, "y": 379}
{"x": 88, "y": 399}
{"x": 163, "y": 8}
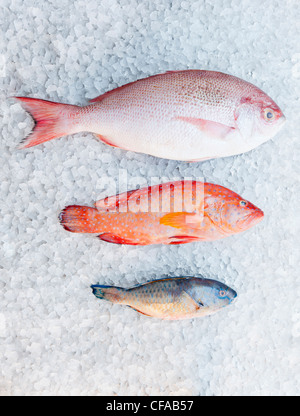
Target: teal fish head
{"x": 216, "y": 295}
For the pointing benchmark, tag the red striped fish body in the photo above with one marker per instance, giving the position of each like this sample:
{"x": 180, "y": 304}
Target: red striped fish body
{"x": 172, "y": 213}
{"x": 183, "y": 115}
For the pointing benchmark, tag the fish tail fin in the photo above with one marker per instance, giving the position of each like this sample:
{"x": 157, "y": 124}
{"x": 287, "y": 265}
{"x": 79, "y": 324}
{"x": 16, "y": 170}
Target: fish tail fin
{"x": 80, "y": 219}
{"x": 52, "y": 120}
{"x": 112, "y": 293}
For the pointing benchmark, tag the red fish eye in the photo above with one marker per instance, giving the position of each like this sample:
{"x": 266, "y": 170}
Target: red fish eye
{"x": 243, "y": 203}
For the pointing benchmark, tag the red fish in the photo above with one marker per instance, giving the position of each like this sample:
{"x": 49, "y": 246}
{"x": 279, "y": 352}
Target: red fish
{"x": 171, "y": 213}
{"x": 183, "y": 115}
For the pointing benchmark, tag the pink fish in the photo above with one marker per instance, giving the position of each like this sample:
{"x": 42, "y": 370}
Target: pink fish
{"x": 172, "y": 213}
{"x": 187, "y": 115}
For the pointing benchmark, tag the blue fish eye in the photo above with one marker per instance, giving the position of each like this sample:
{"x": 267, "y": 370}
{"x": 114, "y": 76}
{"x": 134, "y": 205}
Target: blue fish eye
{"x": 269, "y": 114}
{"x": 222, "y": 293}
{"x": 243, "y": 203}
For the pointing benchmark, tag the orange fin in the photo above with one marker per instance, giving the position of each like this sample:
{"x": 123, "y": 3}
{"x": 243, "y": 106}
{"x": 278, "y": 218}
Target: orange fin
{"x": 111, "y": 238}
{"x": 79, "y": 219}
{"x": 52, "y": 120}
{"x": 181, "y": 220}
{"x": 211, "y": 128}
{"x": 143, "y": 313}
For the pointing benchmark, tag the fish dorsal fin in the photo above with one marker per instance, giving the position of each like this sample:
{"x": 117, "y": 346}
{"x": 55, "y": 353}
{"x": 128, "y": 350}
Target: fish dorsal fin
{"x": 152, "y": 195}
{"x": 115, "y": 239}
{"x": 111, "y": 203}
{"x": 182, "y": 220}
{"x": 108, "y": 93}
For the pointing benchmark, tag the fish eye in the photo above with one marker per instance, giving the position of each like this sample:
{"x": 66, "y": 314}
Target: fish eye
{"x": 269, "y": 114}
{"x": 222, "y": 293}
{"x": 243, "y": 203}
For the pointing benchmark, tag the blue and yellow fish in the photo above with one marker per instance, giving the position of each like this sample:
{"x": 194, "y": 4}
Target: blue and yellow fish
{"x": 171, "y": 298}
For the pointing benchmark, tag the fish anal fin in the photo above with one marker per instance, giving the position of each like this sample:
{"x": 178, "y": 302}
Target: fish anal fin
{"x": 137, "y": 310}
{"x": 211, "y": 128}
{"x": 106, "y": 140}
{"x": 194, "y": 303}
{"x": 52, "y": 120}
{"x": 111, "y": 238}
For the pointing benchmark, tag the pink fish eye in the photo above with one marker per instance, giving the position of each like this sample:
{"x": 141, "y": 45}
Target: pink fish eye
{"x": 222, "y": 293}
{"x": 243, "y": 203}
{"x": 269, "y": 114}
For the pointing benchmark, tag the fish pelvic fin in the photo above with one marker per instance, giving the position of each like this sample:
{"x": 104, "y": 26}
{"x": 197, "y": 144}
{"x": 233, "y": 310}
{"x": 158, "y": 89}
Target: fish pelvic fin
{"x": 52, "y": 120}
{"x": 137, "y": 310}
{"x": 111, "y": 293}
{"x": 79, "y": 219}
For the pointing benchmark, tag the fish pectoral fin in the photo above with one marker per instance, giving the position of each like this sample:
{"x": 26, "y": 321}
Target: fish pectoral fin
{"x": 143, "y": 313}
{"x": 198, "y": 303}
{"x": 211, "y": 128}
{"x": 182, "y": 220}
{"x": 115, "y": 239}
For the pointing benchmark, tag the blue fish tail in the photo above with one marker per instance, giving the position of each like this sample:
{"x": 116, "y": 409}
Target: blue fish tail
{"x": 111, "y": 293}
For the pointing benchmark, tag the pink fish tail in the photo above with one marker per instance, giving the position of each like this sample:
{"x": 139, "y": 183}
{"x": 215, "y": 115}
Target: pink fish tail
{"x": 52, "y": 120}
{"x": 80, "y": 219}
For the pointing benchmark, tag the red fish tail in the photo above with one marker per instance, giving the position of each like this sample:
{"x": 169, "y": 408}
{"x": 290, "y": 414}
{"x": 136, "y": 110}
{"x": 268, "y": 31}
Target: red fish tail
{"x": 52, "y": 120}
{"x": 80, "y": 219}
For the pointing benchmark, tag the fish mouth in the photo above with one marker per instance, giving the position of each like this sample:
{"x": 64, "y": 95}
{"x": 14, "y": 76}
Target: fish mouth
{"x": 233, "y": 296}
{"x": 251, "y": 219}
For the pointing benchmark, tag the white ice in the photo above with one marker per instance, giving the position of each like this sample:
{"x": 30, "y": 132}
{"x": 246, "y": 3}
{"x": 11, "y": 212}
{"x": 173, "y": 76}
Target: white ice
{"x": 56, "y": 338}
